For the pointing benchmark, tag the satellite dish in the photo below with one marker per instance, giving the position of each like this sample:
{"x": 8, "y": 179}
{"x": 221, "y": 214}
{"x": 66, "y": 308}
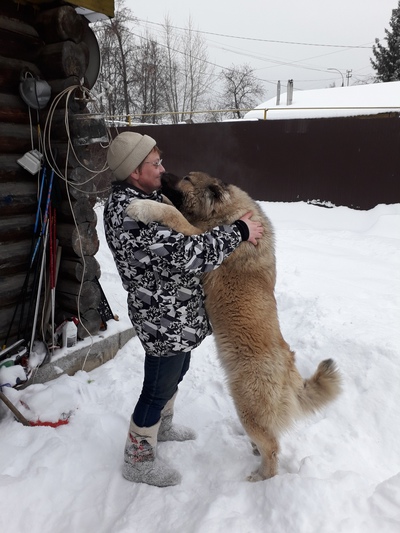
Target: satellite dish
{"x": 34, "y": 92}
{"x": 93, "y": 69}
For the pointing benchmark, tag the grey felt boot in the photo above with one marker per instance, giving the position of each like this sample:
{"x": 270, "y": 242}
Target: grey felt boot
{"x": 170, "y": 431}
{"x": 140, "y": 462}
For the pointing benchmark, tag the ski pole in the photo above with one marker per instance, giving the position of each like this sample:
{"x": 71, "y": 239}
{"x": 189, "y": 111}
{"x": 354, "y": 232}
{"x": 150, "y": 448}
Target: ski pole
{"x": 46, "y": 215}
{"x": 12, "y": 408}
{"x": 24, "y": 288}
{"x": 35, "y": 316}
{"x": 45, "y": 230}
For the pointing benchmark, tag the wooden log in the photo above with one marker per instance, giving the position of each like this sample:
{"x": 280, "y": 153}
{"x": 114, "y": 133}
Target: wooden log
{"x": 76, "y": 288}
{"x": 17, "y": 11}
{"x": 13, "y": 109}
{"x": 6, "y": 316}
{"x": 89, "y": 324}
{"x": 16, "y": 228}
{"x": 10, "y": 72}
{"x": 60, "y": 24}
{"x": 10, "y": 170}
{"x": 57, "y": 86}
{"x": 68, "y": 292}
{"x": 18, "y": 198}
{"x": 14, "y": 256}
{"x": 77, "y": 212}
{"x": 76, "y": 101}
{"x": 82, "y": 240}
{"x": 10, "y": 288}
{"x": 90, "y": 318}
{"x": 64, "y": 59}
{"x": 80, "y": 156}
{"x": 78, "y": 269}
{"x": 80, "y": 185}
{"x": 16, "y": 138}
{"x": 18, "y": 39}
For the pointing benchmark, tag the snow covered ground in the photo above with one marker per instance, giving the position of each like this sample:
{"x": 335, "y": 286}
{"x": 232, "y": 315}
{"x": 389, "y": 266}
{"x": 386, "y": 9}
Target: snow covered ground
{"x": 338, "y": 294}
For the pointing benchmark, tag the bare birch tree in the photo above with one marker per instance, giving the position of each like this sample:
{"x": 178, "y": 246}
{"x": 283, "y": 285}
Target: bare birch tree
{"x": 241, "y": 89}
{"x": 150, "y": 69}
{"x": 189, "y": 74}
{"x": 117, "y": 53}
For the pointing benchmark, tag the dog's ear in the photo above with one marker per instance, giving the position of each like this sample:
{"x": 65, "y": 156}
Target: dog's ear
{"x": 217, "y": 190}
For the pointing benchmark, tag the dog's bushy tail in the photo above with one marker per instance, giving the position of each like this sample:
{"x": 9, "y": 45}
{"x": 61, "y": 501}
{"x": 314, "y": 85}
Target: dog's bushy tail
{"x": 323, "y": 387}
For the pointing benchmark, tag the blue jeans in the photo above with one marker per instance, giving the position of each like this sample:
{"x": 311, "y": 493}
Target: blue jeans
{"x": 161, "y": 378}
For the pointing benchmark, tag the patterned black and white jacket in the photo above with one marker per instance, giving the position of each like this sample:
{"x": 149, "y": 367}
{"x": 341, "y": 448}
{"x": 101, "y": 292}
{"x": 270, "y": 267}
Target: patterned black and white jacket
{"x": 161, "y": 270}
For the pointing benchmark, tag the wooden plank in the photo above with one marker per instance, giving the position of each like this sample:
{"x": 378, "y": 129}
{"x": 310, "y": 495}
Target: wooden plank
{"x": 98, "y": 6}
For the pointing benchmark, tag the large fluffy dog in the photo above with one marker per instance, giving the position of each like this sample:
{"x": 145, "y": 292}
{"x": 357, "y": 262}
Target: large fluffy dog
{"x": 267, "y": 389}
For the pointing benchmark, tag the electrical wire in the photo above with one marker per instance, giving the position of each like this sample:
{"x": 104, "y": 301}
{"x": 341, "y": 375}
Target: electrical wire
{"x": 67, "y": 94}
{"x": 257, "y": 39}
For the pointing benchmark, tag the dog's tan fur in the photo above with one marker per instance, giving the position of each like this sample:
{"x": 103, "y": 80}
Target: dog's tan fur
{"x": 266, "y": 387}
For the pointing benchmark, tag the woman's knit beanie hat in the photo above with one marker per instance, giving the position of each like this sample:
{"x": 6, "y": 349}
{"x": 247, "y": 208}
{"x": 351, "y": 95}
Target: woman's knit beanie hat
{"x": 127, "y": 151}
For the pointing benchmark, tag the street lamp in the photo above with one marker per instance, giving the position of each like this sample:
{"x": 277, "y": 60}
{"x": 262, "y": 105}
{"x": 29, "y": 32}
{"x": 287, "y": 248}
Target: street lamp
{"x": 337, "y": 70}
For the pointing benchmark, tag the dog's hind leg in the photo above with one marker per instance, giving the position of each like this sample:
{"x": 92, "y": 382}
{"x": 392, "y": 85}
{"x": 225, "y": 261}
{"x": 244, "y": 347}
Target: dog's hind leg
{"x": 268, "y": 448}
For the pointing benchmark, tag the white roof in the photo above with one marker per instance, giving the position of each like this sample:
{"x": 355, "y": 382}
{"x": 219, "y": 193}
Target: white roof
{"x": 334, "y": 102}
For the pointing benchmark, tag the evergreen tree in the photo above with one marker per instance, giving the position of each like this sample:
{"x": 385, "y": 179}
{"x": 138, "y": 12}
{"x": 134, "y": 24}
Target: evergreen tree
{"x": 387, "y": 59}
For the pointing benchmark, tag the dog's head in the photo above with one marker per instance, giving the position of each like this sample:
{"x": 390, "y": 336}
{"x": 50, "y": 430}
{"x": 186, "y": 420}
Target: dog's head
{"x": 198, "y": 196}
{"x": 170, "y": 188}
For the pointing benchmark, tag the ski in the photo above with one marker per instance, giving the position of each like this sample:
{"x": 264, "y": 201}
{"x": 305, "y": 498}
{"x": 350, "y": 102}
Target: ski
{"x": 5, "y": 351}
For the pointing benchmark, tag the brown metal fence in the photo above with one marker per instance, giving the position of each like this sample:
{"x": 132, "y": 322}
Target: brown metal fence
{"x": 346, "y": 161}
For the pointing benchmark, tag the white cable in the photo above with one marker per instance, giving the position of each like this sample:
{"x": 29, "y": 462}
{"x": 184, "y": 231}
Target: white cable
{"x": 49, "y": 155}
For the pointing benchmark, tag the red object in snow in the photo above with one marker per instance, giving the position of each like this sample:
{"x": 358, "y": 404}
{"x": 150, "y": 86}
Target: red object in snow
{"x": 61, "y": 422}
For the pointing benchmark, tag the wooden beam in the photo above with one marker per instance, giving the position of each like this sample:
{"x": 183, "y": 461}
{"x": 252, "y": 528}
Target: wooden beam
{"x": 98, "y": 6}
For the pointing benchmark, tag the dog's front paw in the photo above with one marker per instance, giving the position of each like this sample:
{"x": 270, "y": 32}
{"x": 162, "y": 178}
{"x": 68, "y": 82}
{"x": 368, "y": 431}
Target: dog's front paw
{"x": 141, "y": 210}
{"x": 255, "y": 476}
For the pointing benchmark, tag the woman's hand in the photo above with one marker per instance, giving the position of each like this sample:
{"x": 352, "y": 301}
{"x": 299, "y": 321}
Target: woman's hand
{"x": 255, "y": 228}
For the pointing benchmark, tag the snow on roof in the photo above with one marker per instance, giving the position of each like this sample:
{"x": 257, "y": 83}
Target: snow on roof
{"x": 334, "y": 102}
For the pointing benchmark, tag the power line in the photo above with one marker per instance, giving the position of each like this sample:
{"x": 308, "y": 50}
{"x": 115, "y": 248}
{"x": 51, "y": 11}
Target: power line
{"x": 257, "y": 39}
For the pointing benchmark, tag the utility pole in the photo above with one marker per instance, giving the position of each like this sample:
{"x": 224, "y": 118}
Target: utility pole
{"x": 337, "y": 70}
{"x": 348, "y": 76}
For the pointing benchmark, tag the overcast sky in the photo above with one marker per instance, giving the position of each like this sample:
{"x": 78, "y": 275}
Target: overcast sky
{"x": 253, "y": 26}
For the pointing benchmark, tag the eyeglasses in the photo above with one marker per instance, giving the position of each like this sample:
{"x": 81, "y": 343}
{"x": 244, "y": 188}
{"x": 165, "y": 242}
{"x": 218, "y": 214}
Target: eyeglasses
{"x": 154, "y": 163}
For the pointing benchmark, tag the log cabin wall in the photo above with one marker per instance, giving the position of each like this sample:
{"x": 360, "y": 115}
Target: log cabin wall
{"x": 47, "y": 41}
